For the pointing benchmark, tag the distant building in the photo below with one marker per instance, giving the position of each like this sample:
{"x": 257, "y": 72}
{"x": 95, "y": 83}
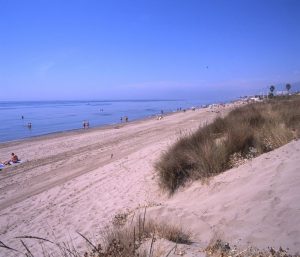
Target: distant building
{"x": 283, "y": 92}
{"x": 255, "y": 99}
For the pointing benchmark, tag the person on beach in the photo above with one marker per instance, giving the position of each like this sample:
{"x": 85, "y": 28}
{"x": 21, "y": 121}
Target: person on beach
{"x": 126, "y": 119}
{"x": 86, "y": 124}
{"x": 14, "y": 159}
{"x": 29, "y": 125}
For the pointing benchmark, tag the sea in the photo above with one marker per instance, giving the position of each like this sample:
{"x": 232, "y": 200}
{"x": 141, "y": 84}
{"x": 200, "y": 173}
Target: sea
{"x": 56, "y": 116}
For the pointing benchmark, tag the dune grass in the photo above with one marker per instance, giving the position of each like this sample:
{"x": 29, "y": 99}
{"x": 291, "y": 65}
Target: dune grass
{"x": 127, "y": 241}
{"x": 135, "y": 239}
{"x": 248, "y": 130}
{"x": 220, "y": 248}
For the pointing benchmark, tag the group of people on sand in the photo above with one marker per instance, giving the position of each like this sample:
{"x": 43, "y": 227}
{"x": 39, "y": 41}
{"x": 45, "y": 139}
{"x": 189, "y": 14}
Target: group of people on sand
{"x": 14, "y": 159}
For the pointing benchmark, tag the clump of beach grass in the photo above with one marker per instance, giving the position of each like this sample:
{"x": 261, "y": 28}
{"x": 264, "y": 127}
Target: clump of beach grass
{"x": 135, "y": 239}
{"x": 132, "y": 235}
{"x": 247, "y": 131}
{"x": 128, "y": 240}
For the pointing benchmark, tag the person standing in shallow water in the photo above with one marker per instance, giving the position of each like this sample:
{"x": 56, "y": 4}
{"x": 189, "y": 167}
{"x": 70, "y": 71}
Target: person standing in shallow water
{"x": 85, "y": 124}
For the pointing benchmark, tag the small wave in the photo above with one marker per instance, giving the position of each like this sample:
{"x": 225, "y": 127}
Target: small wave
{"x": 100, "y": 104}
{"x": 7, "y": 108}
{"x": 102, "y": 114}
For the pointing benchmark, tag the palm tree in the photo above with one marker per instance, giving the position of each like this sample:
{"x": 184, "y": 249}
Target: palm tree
{"x": 288, "y": 87}
{"x": 271, "y": 94}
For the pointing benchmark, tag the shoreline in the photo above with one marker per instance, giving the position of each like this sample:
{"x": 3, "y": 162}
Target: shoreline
{"x": 107, "y": 126}
{"x": 54, "y": 151}
{"x": 81, "y": 130}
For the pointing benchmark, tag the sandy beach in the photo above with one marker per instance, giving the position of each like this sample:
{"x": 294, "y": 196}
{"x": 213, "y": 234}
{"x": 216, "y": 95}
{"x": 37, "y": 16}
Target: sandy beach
{"x": 78, "y": 181}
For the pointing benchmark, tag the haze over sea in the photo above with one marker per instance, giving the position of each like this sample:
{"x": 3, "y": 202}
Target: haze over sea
{"x": 55, "y": 116}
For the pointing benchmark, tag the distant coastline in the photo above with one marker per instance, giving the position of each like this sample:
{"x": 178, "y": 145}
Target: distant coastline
{"x": 55, "y": 117}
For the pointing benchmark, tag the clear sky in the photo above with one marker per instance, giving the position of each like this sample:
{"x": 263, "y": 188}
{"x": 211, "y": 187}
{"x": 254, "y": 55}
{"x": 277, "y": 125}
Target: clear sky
{"x": 107, "y": 49}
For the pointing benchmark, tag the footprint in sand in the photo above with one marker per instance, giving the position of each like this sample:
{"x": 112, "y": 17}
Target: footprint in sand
{"x": 276, "y": 200}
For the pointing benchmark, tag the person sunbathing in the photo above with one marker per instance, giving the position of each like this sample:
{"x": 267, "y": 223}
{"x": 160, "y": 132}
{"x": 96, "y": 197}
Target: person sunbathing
{"x": 14, "y": 159}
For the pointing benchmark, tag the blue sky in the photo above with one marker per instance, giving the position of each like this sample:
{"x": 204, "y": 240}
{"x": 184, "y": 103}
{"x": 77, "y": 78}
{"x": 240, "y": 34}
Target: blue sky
{"x": 106, "y": 49}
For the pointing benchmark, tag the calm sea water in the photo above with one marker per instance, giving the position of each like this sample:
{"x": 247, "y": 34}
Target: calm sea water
{"x": 54, "y": 116}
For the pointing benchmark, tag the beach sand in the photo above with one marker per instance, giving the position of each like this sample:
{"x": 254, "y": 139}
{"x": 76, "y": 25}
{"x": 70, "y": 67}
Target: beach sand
{"x": 78, "y": 181}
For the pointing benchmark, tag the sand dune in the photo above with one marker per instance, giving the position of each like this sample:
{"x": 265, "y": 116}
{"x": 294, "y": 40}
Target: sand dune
{"x": 255, "y": 204}
{"x": 71, "y": 182}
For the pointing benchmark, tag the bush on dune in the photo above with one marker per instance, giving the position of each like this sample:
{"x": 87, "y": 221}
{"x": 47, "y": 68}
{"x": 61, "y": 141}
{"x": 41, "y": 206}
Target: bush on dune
{"x": 252, "y": 129}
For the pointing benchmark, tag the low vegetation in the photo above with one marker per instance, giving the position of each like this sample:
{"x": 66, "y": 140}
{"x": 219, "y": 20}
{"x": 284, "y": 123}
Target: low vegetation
{"x": 221, "y": 248}
{"x": 245, "y": 132}
{"x": 135, "y": 239}
{"x": 128, "y": 241}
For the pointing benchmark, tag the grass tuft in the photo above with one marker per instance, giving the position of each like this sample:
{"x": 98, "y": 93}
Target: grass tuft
{"x": 221, "y": 248}
{"x": 118, "y": 241}
{"x": 246, "y": 131}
